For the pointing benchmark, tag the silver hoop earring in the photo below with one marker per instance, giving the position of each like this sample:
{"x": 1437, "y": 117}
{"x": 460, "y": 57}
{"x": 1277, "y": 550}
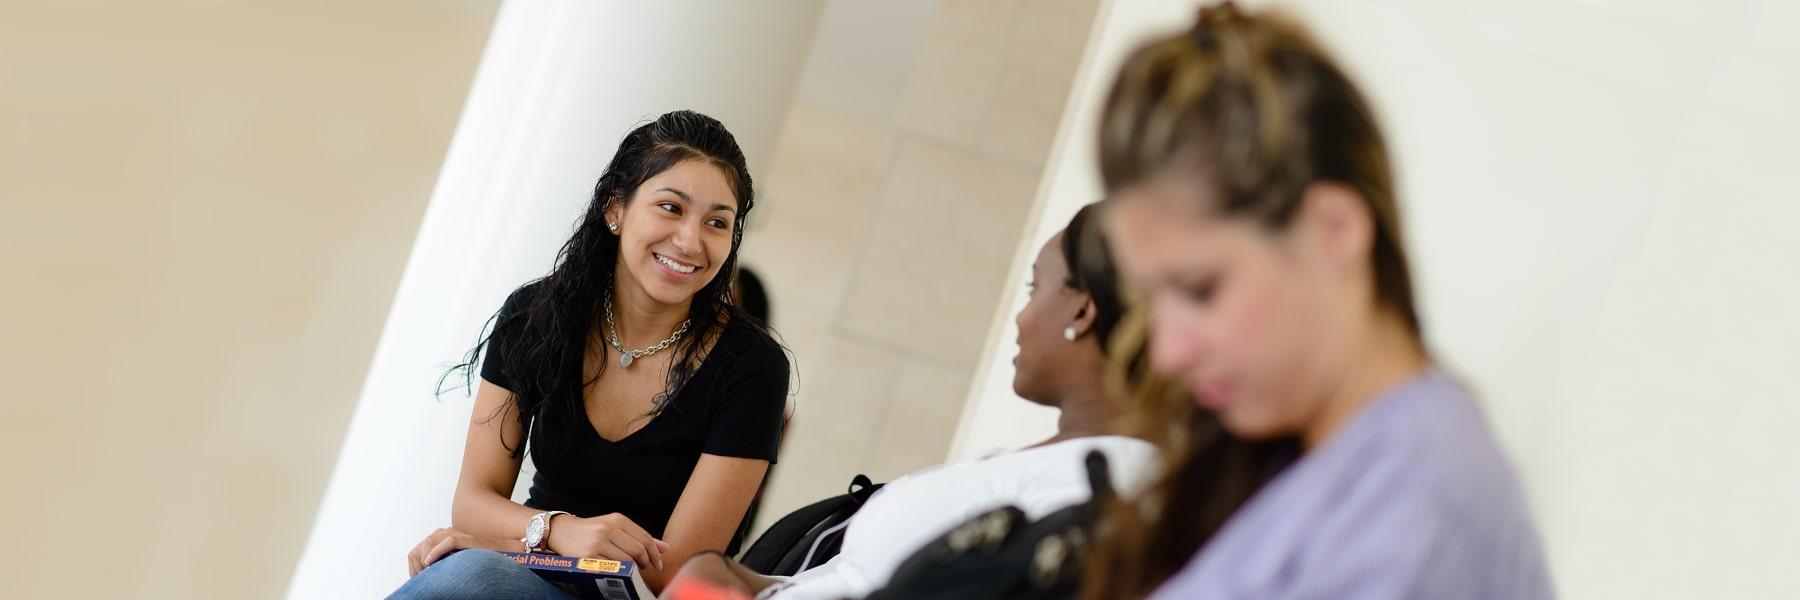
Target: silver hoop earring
{"x": 1069, "y": 333}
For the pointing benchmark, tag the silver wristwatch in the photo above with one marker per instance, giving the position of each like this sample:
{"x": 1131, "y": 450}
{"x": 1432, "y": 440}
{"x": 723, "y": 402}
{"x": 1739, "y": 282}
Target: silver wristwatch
{"x": 538, "y": 530}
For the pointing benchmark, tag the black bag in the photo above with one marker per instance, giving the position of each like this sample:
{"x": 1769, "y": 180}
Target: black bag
{"x": 814, "y": 529}
{"x": 999, "y": 554}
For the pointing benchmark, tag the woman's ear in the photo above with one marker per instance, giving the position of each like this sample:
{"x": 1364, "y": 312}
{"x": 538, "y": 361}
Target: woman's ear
{"x": 1337, "y": 220}
{"x": 1085, "y": 315}
{"x": 615, "y": 213}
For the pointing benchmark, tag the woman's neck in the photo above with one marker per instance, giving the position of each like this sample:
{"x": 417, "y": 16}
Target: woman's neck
{"x": 1381, "y": 356}
{"x": 1086, "y": 409}
{"x": 639, "y": 320}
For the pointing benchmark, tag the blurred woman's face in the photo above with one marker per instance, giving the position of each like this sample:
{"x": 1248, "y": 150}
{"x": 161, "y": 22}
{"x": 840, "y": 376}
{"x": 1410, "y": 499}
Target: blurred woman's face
{"x": 1237, "y": 313}
{"x": 1044, "y": 352}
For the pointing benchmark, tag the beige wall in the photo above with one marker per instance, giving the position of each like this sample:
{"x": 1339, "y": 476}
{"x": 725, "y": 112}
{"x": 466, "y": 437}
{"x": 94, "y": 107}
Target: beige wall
{"x": 207, "y": 206}
{"x": 891, "y": 224}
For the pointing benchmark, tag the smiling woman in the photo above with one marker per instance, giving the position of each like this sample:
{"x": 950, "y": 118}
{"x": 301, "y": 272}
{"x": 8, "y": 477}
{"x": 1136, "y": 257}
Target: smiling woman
{"x": 654, "y": 455}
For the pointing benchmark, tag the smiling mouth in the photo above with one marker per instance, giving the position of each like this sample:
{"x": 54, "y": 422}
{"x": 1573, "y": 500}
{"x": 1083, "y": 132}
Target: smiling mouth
{"x": 677, "y": 267}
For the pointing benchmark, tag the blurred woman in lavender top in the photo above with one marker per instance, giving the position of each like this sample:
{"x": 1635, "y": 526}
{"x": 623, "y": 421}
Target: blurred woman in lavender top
{"x": 1254, "y": 209}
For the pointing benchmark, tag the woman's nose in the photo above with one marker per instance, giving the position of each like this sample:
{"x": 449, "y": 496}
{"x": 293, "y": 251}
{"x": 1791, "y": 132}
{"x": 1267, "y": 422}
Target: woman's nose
{"x": 1175, "y": 348}
{"x": 685, "y": 239}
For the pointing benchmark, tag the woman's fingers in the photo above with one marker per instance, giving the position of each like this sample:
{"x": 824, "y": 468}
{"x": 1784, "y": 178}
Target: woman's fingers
{"x": 653, "y": 548}
{"x": 629, "y": 548}
{"x": 447, "y": 545}
{"x": 415, "y": 560}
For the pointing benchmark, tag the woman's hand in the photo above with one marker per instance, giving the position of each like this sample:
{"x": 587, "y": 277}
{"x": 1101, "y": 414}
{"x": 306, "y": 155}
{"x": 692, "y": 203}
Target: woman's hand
{"x": 611, "y": 536}
{"x": 449, "y": 539}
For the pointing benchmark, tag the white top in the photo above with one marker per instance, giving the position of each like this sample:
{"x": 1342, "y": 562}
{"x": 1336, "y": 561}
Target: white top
{"x": 914, "y": 510}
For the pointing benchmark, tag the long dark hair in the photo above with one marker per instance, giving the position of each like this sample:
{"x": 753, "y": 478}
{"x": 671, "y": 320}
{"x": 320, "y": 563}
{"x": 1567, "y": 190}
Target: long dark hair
{"x": 1253, "y": 105}
{"x": 547, "y": 340}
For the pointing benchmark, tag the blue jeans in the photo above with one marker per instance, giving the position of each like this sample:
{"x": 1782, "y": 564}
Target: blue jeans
{"x": 477, "y": 574}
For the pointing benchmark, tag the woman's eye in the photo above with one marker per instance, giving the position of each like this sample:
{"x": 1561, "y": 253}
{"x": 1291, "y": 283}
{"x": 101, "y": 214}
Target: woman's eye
{"x": 1200, "y": 292}
{"x": 717, "y": 223}
{"x": 670, "y": 206}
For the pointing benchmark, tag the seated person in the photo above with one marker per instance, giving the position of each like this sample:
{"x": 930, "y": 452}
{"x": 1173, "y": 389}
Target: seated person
{"x": 1254, "y": 208}
{"x": 1063, "y": 331}
{"x": 635, "y": 321}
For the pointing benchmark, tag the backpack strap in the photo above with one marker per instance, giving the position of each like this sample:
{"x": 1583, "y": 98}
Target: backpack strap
{"x": 784, "y": 548}
{"x": 776, "y": 542}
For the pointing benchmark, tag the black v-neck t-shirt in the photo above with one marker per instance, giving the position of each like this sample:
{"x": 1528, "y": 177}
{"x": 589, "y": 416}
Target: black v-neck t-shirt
{"x": 731, "y": 406}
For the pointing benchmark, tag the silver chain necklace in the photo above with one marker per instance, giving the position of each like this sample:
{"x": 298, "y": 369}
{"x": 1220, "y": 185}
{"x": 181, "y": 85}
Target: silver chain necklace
{"x": 626, "y": 356}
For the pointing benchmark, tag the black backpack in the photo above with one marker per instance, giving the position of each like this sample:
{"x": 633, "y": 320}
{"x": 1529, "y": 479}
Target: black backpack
{"x": 814, "y": 530}
{"x": 999, "y": 554}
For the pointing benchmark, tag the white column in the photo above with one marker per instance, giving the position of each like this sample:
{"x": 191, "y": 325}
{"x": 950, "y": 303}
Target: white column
{"x": 995, "y": 417}
{"x": 559, "y": 84}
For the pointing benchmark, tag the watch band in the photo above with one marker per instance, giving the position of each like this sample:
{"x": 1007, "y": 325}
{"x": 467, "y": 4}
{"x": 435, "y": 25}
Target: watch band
{"x": 537, "y": 531}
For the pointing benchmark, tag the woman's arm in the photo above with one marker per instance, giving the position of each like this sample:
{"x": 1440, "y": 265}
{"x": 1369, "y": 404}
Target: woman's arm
{"x": 709, "y": 511}
{"x": 716, "y": 571}
{"x": 482, "y": 512}
{"x": 482, "y": 505}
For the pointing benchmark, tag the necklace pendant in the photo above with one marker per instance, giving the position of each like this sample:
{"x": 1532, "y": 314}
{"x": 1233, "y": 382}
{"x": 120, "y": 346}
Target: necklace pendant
{"x": 625, "y": 360}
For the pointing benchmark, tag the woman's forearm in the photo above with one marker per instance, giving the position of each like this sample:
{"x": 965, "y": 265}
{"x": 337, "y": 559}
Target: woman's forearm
{"x": 719, "y": 570}
{"x": 487, "y": 514}
{"x": 753, "y": 580}
{"x": 482, "y": 505}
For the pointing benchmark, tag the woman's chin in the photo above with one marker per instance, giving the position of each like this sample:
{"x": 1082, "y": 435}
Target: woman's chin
{"x": 1246, "y": 425}
{"x": 1022, "y": 389}
{"x": 667, "y": 292}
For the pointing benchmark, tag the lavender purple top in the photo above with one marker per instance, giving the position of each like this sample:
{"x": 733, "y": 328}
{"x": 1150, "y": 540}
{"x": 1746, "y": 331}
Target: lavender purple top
{"x": 1410, "y": 499}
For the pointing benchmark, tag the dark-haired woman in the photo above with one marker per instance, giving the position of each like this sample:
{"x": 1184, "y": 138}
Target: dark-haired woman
{"x": 1254, "y": 208}
{"x": 653, "y": 405}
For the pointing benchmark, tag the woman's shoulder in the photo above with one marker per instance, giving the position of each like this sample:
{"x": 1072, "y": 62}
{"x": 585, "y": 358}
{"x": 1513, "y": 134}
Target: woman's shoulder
{"x": 520, "y": 298}
{"x": 1431, "y": 435}
{"x": 1130, "y": 461}
{"x": 1424, "y": 450}
{"x": 748, "y": 344}
{"x": 1115, "y": 447}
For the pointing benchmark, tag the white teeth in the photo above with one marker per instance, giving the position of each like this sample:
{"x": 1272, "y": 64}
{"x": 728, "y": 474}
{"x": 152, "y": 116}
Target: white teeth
{"x": 675, "y": 267}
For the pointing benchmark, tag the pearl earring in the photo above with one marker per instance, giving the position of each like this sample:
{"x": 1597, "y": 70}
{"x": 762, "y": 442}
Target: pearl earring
{"x": 1069, "y": 333}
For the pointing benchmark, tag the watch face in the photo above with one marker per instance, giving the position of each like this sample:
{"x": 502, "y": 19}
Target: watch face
{"x": 534, "y": 532}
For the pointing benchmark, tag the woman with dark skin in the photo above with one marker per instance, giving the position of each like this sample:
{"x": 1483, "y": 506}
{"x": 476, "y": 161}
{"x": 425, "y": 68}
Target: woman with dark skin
{"x": 1063, "y": 333}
